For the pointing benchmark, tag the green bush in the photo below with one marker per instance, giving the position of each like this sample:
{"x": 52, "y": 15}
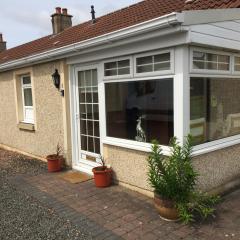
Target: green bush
{"x": 173, "y": 177}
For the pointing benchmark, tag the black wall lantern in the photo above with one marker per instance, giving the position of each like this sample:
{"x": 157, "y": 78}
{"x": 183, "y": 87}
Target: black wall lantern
{"x": 56, "y": 79}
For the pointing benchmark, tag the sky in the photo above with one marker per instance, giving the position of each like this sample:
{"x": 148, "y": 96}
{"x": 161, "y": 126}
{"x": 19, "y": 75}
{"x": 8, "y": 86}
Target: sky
{"x": 24, "y": 20}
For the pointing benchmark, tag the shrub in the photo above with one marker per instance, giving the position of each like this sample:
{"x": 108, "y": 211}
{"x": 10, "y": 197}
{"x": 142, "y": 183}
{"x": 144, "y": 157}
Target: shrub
{"x": 173, "y": 177}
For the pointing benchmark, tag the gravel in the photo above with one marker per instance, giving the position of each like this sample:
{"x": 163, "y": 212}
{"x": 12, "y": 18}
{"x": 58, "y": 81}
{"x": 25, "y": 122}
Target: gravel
{"x": 21, "y": 216}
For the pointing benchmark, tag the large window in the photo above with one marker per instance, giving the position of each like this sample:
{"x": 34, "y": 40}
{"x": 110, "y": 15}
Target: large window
{"x": 215, "y": 108}
{"x": 140, "y": 110}
{"x": 28, "y": 114}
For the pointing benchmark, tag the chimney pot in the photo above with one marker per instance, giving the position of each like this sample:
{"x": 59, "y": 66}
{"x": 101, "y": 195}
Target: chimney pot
{"x": 58, "y": 10}
{"x": 61, "y": 20}
{"x": 64, "y": 11}
{"x": 3, "y": 44}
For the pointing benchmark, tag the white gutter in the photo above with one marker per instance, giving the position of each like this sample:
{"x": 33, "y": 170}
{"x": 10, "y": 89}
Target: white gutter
{"x": 148, "y": 26}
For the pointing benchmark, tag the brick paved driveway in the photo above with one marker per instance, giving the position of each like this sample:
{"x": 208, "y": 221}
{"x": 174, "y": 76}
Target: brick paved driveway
{"x": 118, "y": 213}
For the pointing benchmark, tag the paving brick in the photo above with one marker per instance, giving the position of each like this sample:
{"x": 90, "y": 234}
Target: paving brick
{"x": 119, "y": 231}
{"x": 117, "y": 213}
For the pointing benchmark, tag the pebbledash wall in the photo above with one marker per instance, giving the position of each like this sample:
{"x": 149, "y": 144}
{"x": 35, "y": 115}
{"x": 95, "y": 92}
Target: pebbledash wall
{"x": 49, "y": 111}
{"x": 216, "y": 168}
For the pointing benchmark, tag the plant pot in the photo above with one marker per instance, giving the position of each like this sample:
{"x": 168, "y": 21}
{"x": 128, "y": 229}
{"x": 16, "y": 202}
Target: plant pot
{"x": 54, "y": 163}
{"x": 102, "y": 176}
{"x": 166, "y": 208}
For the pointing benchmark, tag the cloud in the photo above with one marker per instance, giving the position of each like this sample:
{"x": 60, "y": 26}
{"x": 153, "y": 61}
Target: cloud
{"x": 32, "y": 18}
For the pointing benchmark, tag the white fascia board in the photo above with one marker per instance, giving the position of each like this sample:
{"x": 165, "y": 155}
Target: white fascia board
{"x": 142, "y": 28}
{"x": 194, "y": 17}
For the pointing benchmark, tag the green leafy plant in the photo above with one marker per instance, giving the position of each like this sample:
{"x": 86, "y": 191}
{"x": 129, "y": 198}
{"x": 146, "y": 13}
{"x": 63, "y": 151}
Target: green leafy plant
{"x": 174, "y": 178}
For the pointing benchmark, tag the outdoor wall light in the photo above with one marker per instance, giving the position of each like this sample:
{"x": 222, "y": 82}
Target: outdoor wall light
{"x": 56, "y": 79}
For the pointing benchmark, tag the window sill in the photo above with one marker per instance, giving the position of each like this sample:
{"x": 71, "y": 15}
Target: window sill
{"x": 26, "y": 126}
{"x": 216, "y": 145}
{"x": 134, "y": 145}
{"x": 197, "y": 150}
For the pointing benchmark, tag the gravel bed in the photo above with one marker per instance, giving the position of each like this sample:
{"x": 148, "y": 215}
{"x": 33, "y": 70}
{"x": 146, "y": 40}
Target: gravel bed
{"x": 21, "y": 216}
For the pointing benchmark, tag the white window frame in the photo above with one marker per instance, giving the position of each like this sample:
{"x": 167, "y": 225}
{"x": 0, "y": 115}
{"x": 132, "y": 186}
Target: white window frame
{"x": 154, "y": 73}
{"x": 126, "y": 76}
{"x": 208, "y": 71}
{"x": 233, "y": 65}
{"x": 219, "y": 143}
{"x": 126, "y": 143}
{"x": 25, "y": 108}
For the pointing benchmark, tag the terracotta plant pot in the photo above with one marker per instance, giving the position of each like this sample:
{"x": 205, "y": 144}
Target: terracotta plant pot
{"x": 54, "y": 163}
{"x": 102, "y": 176}
{"x": 166, "y": 208}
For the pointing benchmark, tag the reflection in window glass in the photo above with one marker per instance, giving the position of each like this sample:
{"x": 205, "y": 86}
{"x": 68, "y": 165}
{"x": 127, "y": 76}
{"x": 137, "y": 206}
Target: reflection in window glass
{"x": 202, "y": 60}
{"x": 28, "y": 97}
{"x": 215, "y": 108}
{"x": 158, "y": 62}
{"x": 117, "y": 68}
{"x": 237, "y": 64}
{"x": 140, "y": 111}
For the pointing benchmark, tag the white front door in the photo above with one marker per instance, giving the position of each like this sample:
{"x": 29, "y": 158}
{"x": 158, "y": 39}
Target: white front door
{"x": 88, "y": 119}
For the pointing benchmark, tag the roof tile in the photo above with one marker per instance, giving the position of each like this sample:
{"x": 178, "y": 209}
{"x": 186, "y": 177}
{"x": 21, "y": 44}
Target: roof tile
{"x": 129, "y": 16}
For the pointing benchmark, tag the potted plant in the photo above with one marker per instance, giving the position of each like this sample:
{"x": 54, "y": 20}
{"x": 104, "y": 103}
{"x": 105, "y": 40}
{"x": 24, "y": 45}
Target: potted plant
{"x": 174, "y": 179}
{"x": 55, "y": 161}
{"x": 102, "y": 175}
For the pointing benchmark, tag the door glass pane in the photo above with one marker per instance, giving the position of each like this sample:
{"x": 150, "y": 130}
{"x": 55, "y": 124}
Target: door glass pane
{"x": 94, "y": 78}
{"x": 97, "y": 145}
{"x": 90, "y": 128}
{"x": 90, "y": 144}
{"x": 84, "y": 143}
{"x": 89, "y": 113}
{"x": 96, "y": 129}
{"x": 83, "y": 127}
{"x": 95, "y": 94}
{"x": 88, "y": 94}
{"x": 88, "y": 77}
{"x": 28, "y": 96}
{"x": 83, "y": 113}
{"x": 95, "y": 112}
{"x": 82, "y": 95}
{"x": 81, "y": 79}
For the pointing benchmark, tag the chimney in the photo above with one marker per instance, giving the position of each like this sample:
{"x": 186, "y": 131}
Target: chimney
{"x": 61, "y": 20}
{"x": 3, "y": 44}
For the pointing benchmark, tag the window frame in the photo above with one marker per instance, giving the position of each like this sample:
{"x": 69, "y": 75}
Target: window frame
{"x": 130, "y": 75}
{"x": 23, "y": 87}
{"x": 219, "y": 143}
{"x": 234, "y": 72}
{"x": 209, "y": 71}
{"x": 126, "y": 143}
{"x": 151, "y": 54}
